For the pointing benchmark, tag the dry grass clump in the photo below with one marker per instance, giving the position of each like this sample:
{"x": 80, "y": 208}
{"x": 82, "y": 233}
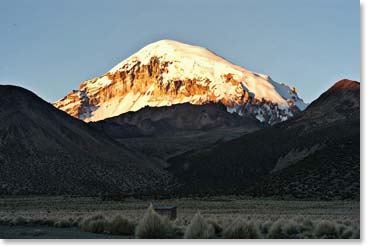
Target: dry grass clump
{"x": 63, "y": 223}
{"x": 326, "y": 230}
{"x": 121, "y": 226}
{"x": 199, "y": 228}
{"x": 153, "y": 226}
{"x": 356, "y": 233}
{"x": 291, "y": 229}
{"x": 216, "y": 225}
{"x": 307, "y": 228}
{"x": 242, "y": 230}
{"x": 179, "y": 227}
{"x": 347, "y": 233}
{"x": 96, "y": 224}
{"x": 265, "y": 227}
{"x": 18, "y": 221}
{"x": 21, "y": 220}
{"x": 4, "y": 220}
{"x": 276, "y": 230}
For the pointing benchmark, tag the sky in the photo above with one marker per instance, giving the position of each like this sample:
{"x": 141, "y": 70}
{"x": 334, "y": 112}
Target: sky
{"x": 51, "y": 47}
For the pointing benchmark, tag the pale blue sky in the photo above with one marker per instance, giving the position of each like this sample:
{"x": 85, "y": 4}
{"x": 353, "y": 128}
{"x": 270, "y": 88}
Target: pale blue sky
{"x": 50, "y": 47}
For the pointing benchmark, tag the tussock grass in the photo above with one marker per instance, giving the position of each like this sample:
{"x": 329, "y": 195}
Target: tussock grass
{"x": 121, "y": 226}
{"x": 5, "y": 220}
{"x": 307, "y": 229}
{"x": 19, "y": 221}
{"x": 292, "y": 230}
{"x": 96, "y": 224}
{"x": 326, "y": 230}
{"x": 356, "y": 233}
{"x": 63, "y": 224}
{"x": 347, "y": 234}
{"x": 241, "y": 229}
{"x": 216, "y": 225}
{"x": 199, "y": 228}
{"x": 292, "y": 221}
{"x": 154, "y": 226}
{"x": 265, "y": 227}
{"x": 276, "y": 230}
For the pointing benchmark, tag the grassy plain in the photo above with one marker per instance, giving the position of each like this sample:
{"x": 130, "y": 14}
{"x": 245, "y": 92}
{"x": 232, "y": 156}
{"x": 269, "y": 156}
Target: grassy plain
{"x": 70, "y": 212}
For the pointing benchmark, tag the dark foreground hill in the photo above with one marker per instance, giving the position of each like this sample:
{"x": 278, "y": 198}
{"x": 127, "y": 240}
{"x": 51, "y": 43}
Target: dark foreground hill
{"x": 45, "y": 151}
{"x": 312, "y": 156}
{"x": 315, "y": 155}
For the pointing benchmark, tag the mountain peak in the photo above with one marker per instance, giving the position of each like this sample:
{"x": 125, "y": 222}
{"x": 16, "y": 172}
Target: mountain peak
{"x": 345, "y": 84}
{"x": 173, "y": 51}
{"x": 168, "y": 43}
{"x": 169, "y": 72}
{"x": 341, "y": 101}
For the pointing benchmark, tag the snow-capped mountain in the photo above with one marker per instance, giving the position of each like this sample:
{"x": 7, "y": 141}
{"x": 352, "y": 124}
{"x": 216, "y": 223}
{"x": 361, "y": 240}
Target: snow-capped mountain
{"x": 169, "y": 72}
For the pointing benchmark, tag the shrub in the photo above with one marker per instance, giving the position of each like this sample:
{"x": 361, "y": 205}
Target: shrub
{"x": 292, "y": 230}
{"x": 49, "y": 222}
{"x": 340, "y": 228}
{"x": 95, "y": 224}
{"x": 356, "y": 233}
{"x": 152, "y": 226}
{"x": 19, "y": 220}
{"x": 242, "y": 230}
{"x": 75, "y": 221}
{"x": 5, "y": 220}
{"x": 307, "y": 228}
{"x": 121, "y": 226}
{"x": 264, "y": 227}
{"x": 326, "y": 229}
{"x": 347, "y": 222}
{"x": 217, "y": 228}
{"x": 62, "y": 224}
{"x": 276, "y": 230}
{"x": 307, "y": 225}
{"x": 347, "y": 233}
{"x": 199, "y": 228}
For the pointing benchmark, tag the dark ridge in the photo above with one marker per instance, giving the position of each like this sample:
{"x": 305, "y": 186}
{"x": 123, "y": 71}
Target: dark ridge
{"x": 312, "y": 156}
{"x": 170, "y": 120}
{"x": 345, "y": 84}
{"x": 45, "y": 151}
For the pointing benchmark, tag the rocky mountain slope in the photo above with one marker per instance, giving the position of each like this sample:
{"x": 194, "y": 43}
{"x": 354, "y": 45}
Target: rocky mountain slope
{"x": 45, "y": 151}
{"x": 175, "y": 119}
{"x": 163, "y": 132}
{"x": 314, "y": 155}
{"x": 167, "y": 72}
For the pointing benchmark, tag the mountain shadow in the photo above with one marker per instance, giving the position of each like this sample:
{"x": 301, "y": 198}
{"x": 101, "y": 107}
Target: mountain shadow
{"x": 314, "y": 155}
{"x": 46, "y": 151}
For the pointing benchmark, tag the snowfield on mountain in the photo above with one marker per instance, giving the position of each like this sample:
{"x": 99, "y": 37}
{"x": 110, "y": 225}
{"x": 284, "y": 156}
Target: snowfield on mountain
{"x": 168, "y": 72}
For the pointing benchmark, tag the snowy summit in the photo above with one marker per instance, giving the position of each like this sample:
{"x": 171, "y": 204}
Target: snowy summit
{"x": 168, "y": 72}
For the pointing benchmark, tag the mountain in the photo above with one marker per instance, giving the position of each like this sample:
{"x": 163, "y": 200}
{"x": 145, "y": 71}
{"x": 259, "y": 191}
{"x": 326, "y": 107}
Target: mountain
{"x": 340, "y": 102}
{"x": 45, "y": 151}
{"x": 175, "y": 119}
{"x": 168, "y": 72}
{"x": 181, "y": 149}
{"x": 315, "y": 155}
{"x": 163, "y": 132}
